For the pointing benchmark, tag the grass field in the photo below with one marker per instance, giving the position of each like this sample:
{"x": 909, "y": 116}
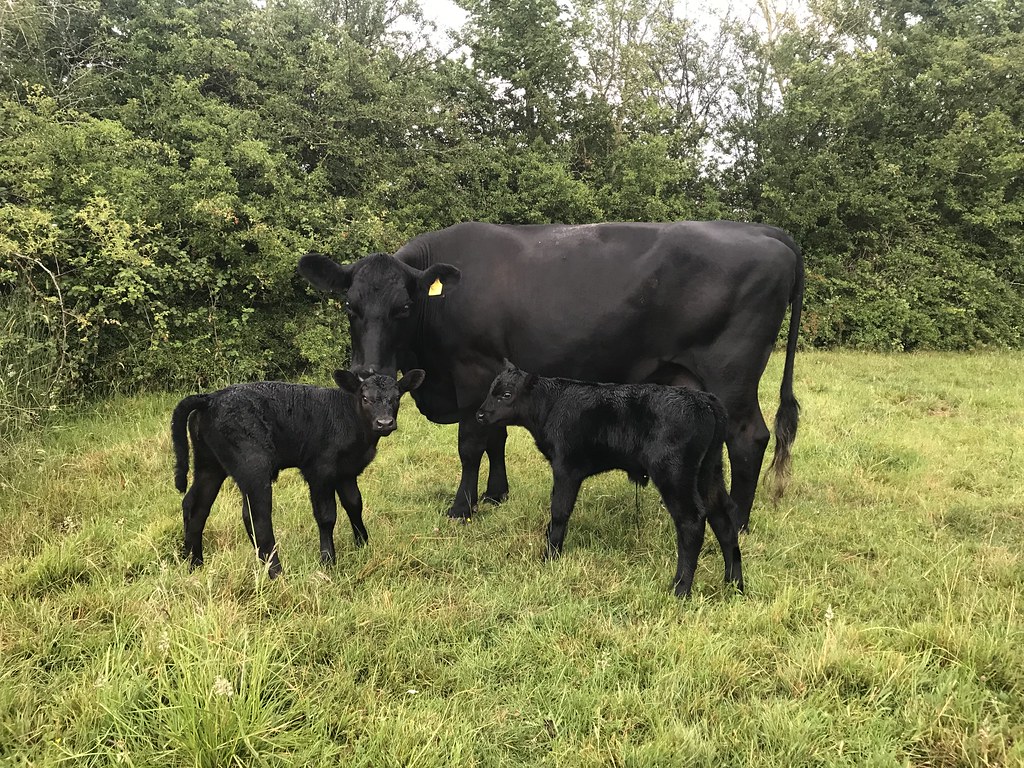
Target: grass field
{"x": 882, "y": 624}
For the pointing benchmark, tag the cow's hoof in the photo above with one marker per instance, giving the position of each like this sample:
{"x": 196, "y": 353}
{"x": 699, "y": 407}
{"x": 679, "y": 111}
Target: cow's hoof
{"x": 495, "y": 498}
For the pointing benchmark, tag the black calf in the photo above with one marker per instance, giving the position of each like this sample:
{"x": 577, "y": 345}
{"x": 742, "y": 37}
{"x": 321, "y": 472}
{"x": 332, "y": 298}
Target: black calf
{"x": 252, "y": 431}
{"x": 672, "y": 435}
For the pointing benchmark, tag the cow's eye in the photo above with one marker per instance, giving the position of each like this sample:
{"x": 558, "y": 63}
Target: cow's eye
{"x": 366, "y": 400}
{"x": 506, "y": 396}
{"x": 402, "y": 311}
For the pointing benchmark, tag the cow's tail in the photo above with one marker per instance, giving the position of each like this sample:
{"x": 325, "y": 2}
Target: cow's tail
{"x": 179, "y": 436}
{"x": 788, "y": 416}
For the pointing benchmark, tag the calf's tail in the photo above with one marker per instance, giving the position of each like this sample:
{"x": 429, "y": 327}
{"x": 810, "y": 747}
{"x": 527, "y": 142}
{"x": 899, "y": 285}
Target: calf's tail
{"x": 179, "y": 436}
{"x": 712, "y": 477}
{"x": 788, "y": 416}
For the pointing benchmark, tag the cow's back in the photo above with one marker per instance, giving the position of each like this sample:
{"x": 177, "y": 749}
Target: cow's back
{"x": 604, "y": 302}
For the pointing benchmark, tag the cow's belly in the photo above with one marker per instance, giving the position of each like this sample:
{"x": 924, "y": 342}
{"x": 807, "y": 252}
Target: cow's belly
{"x": 621, "y": 357}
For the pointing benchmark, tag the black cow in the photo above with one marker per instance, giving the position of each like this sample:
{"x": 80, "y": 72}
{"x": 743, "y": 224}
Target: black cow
{"x": 252, "y": 431}
{"x": 672, "y": 435}
{"x": 697, "y": 304}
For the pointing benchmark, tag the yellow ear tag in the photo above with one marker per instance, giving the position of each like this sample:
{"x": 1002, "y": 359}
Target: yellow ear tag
{"x": 435, "y": 288}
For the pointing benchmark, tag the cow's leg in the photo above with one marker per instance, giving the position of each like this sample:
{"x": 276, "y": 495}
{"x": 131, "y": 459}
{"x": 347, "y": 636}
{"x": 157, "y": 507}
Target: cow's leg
{"x": 497, "y": 478}
{"x": 565, "y": 489}
{"x": 472, "y": 443}
{"x": 260, "y": 501}
{"x": 195, "y": 508}
{"x": 352, "y": 501}
{"x": 325, "y": 512}
{"x": 746, "y": 440}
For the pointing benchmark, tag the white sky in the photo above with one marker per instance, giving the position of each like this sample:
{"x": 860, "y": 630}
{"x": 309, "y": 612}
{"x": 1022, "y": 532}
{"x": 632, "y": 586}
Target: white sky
{"x": 445, "y": 13}
{"x": 449, "y": 16}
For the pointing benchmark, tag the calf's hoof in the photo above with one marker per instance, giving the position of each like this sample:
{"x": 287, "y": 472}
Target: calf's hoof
{"x": 550, "y": 553}
{"x": 495, "y": 496}
{"x": 274, "y": 568}
{"x": 459, "y": 512}
{"x": 682, "y": 591}
{"x": 194, "y": 561}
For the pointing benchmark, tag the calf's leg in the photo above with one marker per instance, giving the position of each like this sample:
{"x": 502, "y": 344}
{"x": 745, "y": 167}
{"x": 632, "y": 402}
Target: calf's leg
{"x": 352, "y": 501}
{"x": 687, "y": 511}
{"x": 721, "y": 514}
{"x": 725, "y": 531}
{"x": 325, "y": 512}
{"x": 195, "y": 508}
{"x": 497, "y": 477}
{"x": 565, "y": 489}
{"x": 260, "y": 501}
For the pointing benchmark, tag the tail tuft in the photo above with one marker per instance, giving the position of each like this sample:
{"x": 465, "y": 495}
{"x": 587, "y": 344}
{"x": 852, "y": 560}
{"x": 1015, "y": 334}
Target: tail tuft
{"x": 786, "y": 420}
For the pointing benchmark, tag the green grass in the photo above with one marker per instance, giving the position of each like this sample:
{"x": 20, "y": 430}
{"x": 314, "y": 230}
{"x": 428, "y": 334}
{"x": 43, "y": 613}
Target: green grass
{"x": 882, "y": 625}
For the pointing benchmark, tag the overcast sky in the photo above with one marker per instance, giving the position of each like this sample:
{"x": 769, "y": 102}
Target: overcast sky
{"x": 449, "y": 16}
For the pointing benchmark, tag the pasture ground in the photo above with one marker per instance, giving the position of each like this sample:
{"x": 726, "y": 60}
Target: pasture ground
{"x": 882, "y": 625}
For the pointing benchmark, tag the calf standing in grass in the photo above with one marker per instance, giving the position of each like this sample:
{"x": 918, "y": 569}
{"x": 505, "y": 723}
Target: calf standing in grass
{"x": 252, "y": 431}
{"x": 673, "y": 436}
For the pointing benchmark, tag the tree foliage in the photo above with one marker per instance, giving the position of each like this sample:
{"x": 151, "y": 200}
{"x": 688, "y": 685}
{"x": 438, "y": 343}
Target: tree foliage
{"x": 163, "y": 163}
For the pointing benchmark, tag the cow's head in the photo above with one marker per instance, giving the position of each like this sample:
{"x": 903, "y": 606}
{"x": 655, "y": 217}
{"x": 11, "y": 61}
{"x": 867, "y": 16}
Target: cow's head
{"x": 382, "y": 299}
{"x": 377, "y": 397}
{"x": 505, "y": 396}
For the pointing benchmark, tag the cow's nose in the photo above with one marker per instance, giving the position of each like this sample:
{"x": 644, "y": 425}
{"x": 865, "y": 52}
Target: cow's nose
{"x": 385, "y": 423}
{"x": 480, "y": 417}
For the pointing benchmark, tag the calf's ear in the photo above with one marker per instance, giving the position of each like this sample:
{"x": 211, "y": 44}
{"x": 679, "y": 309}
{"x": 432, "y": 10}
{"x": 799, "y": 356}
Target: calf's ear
{"x": 438, "y": 279}
{"x": 411, "y": 380}
{"x": 347, "y": 381}
{"x": 325, "y": 273}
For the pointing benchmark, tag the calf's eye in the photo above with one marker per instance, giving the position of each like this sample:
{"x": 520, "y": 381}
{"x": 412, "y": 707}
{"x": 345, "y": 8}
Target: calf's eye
{"x": 506, "y": 396}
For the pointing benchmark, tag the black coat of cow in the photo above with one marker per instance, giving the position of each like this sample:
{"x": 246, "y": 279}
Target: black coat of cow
{"x": 672, "y": 435}
{"x": 696, "y": 304}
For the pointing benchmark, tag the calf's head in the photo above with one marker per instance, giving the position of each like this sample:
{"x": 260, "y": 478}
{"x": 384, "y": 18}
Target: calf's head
{"x": 383, "y": 297}
{"x": 505, "y": 396}
{"x": 377, "y": 397}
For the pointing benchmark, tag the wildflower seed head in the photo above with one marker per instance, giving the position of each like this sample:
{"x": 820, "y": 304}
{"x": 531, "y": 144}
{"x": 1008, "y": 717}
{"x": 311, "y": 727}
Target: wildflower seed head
{"x": 222, "y": 687}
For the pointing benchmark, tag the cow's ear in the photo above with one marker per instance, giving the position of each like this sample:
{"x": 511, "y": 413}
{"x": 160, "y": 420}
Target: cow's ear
{"x": 325, "y": 273}
{"x": 507, "y": 364}
{"x": 411, "y": 380}
{"x": 530, "y": 383}
{"x": 438, "y": 279}
{"x": 347, "y": 381}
